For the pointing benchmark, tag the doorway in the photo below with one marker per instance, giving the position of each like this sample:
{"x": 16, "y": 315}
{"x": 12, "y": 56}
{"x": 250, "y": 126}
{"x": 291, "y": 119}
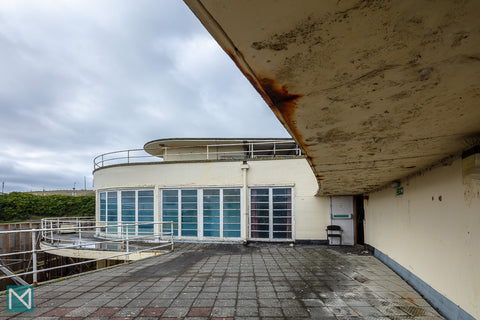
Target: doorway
{"x": 359, "y": 217}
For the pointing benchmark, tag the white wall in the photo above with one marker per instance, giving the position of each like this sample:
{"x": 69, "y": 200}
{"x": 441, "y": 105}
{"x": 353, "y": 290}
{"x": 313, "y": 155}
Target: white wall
{"x": 311, "y": 212}
{"x": 437, "y": 240}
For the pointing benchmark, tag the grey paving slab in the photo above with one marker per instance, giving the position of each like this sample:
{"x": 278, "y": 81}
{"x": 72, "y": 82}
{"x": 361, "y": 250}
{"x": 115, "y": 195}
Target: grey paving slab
{"x": 259, "y": 281}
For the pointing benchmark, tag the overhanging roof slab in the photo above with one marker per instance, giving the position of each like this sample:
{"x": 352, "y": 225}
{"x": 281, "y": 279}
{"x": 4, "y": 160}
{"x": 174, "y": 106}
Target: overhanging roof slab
{"x": 371, "y": 90}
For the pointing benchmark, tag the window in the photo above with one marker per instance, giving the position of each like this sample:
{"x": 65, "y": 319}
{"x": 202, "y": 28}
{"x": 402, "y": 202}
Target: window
{"x": 271, "y": 213}
{"x": 133, "y": 206}
{"x": 170, "y": 209}
{"x": 128, "y": 211}
{"x": 103, "y": 206}
{"x": 112, "y": 211}
{"x": 231, "y": 213}
{"x": 145, "y": 212}
{"x": 210, "y": 213}
{"x": 189, "y": 213}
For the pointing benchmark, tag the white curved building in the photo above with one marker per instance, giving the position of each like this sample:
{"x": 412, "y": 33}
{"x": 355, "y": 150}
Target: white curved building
{"x": 212, "y": 190}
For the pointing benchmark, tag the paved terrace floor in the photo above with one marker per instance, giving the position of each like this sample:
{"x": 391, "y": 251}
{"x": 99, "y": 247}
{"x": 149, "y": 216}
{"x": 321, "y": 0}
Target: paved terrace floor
{"x": 208, "y": 281}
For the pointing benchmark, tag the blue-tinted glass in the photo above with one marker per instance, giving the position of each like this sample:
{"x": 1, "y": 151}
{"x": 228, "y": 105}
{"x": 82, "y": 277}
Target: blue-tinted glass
{"x": 112, "y": 207}
{"x": 231, "y": 219}
{"x": 189, "y": 233}
{"x": 191, "y": 206}
{"x": 189, "y": 219}
{"x": 145, "y": 206}
{"x": 231, "y": 205}
{"x": 211, "y": 213}
{"x": 231, "y": 192}
{"x": 170, "y": 193}
{"x": 211, "y": 233}
{"x": 170, "y": 206}
{"x": 211, "y": 199}
{"x": 187, "y": 199}
{"x": 189, "y": 212}
{"x": 231, "y": 213}
{"x": 145, "y": 193}
{"x": 211, "y": 206}
{"x": 231, "y": 199}
{"x": 170, "y": 199}
{"x": 211, "y": 226}
{"x": 211, "y": 220}
{"x": 189, "y": 193}
{"x": 103, "y": 206}
{"x": 231, "y": 234}
{"x": 232, "y": 226}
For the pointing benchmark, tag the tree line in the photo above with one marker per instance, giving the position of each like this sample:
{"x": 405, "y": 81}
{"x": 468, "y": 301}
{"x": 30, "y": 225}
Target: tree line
{"x": 18, "y": 206}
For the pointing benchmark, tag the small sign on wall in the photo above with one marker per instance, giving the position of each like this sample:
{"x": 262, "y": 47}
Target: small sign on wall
{"x": 399, "y": 191}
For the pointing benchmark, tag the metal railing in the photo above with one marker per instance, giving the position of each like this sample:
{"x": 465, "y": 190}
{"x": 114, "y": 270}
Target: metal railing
{"x": 82, "y": 235}
{"x": 273, "y": 149}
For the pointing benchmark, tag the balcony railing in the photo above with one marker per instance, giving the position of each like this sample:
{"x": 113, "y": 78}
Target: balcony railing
{"x": 275, "y": 149}
{"x": 70, "y": 236}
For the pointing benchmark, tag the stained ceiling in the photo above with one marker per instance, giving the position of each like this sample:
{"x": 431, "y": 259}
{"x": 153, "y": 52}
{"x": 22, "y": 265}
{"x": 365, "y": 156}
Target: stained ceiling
{"x": 373, "y": 91}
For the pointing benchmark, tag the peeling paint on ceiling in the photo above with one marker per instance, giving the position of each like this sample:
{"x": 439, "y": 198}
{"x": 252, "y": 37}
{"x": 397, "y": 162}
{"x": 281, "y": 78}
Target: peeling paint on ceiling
{"x": 372, "y": 91}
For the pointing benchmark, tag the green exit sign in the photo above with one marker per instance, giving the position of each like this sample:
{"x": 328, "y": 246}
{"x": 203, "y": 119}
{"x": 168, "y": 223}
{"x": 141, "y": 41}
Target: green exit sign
{"x": 399, "y": 191}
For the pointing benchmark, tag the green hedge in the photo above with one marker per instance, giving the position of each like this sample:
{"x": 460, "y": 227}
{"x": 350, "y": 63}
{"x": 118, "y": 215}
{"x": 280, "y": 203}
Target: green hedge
{"x": 18, "y": 206}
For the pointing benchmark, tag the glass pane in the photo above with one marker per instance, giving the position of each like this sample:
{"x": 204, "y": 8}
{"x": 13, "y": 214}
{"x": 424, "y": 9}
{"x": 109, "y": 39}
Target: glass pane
{"x": 103, "y": 206}
{"x": 211, "y": 233}
{"x": 231, "y": 234}
{"x": 189, "y": 212}
{"x": 232, "y": 205}
{"x": 170, "y": 193}
{"x": 231, "y": 219}
{"x": 231, "y": 192}
{"x": 232, "y": 227}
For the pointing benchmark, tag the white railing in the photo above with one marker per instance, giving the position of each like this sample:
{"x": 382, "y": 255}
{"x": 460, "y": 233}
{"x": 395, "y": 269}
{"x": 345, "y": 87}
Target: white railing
{"x": 82, "y": 236}
{"x": 273, "y": 149}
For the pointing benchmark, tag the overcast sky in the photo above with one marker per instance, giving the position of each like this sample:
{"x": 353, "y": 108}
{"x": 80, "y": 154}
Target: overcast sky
{"x": 81, "y": 78}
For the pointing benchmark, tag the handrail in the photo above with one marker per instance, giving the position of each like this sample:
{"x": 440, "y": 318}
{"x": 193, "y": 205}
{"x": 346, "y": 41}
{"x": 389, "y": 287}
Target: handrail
{"x": 249, "y": 150}
{"x": 87, "y": 226}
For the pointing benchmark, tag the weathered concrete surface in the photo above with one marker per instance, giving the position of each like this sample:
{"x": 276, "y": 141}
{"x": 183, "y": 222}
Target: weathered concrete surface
{"x": 204, "y": 281}
{"x": 372, "y": 90}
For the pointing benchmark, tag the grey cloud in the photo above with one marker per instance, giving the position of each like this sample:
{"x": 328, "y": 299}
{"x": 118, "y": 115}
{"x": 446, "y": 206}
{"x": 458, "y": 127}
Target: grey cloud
{"x": 80, "y": 78}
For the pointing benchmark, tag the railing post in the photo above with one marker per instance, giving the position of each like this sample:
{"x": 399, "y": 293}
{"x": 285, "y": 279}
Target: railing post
{"x": 207, "y": 151}
{"x": 171, "y": 235}
{"x": 51, "y": 231}
{"x": 79, "y": 235}
{"x": 127, "y": 256}
{"x": 128, "y": 156}
{"x": 34, "y": 257}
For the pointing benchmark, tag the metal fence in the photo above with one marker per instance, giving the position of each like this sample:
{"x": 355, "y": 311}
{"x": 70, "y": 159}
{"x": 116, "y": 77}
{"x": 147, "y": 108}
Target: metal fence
{"x": 232, "y": 151}
{"x": 79, "y": 237}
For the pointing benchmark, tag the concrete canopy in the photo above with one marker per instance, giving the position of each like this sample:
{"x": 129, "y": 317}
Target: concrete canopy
{"x": 373, "y": 91}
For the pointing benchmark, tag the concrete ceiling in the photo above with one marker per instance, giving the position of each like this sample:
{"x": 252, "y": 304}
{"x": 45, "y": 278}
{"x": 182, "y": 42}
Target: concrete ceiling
{"x": 373, "y": 91}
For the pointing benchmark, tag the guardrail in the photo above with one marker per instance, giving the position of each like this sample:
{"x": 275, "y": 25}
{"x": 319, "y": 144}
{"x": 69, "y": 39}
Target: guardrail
{"x": 231, "y": 151}
{"x": 82, "y": 236}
